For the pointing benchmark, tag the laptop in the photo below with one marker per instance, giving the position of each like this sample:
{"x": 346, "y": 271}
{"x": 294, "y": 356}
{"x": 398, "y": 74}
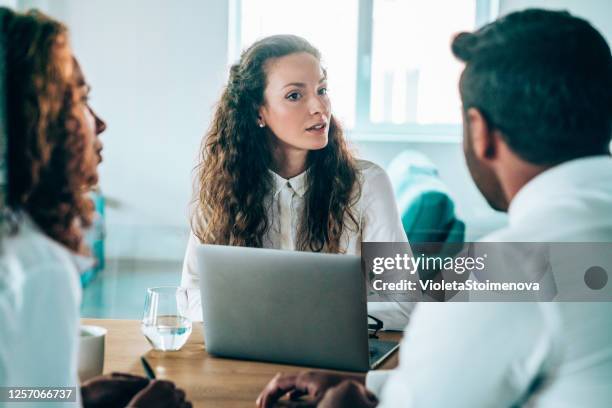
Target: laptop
{"x": 287, "y": 307}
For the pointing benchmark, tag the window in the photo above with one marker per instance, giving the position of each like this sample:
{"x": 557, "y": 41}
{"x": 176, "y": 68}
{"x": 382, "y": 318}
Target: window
{"x": 390, "y": 69}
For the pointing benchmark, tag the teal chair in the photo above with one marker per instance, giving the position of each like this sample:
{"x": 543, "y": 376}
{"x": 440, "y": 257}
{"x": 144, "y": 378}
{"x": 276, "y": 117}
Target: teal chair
{"x": 425, "y": 206}
{"x": 426, "y": 209}
{"x": 95, "y": 238}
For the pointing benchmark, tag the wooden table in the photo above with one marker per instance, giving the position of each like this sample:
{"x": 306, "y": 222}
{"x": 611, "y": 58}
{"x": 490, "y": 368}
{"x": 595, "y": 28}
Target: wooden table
{"x": 207, "y": 380}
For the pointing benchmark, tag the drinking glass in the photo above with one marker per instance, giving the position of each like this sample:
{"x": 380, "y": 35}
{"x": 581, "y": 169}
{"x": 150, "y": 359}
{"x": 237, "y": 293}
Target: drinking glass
{"x": 164, "y": 322}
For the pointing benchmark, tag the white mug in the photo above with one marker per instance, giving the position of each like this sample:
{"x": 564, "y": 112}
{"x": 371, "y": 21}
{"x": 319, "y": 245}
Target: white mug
{"x": 91, "y": 351}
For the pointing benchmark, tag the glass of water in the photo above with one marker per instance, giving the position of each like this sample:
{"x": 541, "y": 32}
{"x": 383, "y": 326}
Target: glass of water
{"x": 164, "y": 323}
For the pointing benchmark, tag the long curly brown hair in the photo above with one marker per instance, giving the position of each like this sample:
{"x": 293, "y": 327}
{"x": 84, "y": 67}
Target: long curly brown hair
{"x": 48, "y": 176}
{"x": 235, "y": 157}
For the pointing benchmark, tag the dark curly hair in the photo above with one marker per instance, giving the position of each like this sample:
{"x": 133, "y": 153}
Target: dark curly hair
{"x": 543, "y": 79}
{"x": 233, "y": 173}
{"x": 48, "y": 176}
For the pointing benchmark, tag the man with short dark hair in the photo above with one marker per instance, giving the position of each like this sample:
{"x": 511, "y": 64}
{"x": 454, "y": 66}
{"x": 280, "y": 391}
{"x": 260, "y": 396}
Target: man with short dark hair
{"x": 536, "y": 93}
{"x": 537, "y": 101}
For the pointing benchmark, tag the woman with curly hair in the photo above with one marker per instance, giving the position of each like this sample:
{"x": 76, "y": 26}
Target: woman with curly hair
{"x": 275, "y": 169}
{"x": 49, "y": 152}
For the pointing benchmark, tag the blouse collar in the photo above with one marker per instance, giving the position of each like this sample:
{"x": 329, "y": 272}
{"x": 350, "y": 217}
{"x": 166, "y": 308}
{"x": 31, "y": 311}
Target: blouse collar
{"x": 297, "y": 183}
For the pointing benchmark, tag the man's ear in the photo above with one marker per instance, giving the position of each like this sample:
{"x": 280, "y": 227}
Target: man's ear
{"x": 484, "y": 140}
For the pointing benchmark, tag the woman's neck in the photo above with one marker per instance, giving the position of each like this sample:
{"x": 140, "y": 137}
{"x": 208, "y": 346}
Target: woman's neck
{"x": 288, "y": 162}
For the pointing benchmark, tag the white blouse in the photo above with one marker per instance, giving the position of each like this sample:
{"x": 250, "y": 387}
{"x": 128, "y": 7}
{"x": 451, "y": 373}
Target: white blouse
{"x": 40, "y": 296}
{"x": 378, "y": 219}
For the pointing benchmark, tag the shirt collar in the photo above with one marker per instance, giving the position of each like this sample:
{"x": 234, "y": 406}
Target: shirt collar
{"x": 297, "y": 183}
{"x": 562, "y": 180}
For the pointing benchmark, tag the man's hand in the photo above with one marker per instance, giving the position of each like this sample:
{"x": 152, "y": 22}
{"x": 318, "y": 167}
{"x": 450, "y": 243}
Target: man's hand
{"x": 160, "y": 394}
{"x": 348, "y": 394}
{"x": 313, "y": 384}
{"x": 114, "y": 390}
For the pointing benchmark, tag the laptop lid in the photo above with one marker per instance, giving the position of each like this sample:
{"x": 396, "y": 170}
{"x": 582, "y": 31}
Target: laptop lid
{"x": 288, "y": 307}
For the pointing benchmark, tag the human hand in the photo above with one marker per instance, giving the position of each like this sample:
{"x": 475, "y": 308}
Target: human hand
{"x": 349, "y": 394}
{"x": 114, "y": 390}
{"x": 160, "y": 393}
{"x": 313, "y": 384}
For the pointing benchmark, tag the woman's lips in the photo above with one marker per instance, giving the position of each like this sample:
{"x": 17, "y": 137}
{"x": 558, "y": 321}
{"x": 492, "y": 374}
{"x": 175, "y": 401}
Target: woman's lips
{"x": 319, "y": 128}
{"x": 317, "y": 131}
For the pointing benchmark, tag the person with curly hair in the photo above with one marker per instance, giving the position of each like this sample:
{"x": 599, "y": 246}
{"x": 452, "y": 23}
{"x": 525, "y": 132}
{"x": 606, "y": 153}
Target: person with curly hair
{"x": 50, "y": 151}
{"x": 276, "y": 172}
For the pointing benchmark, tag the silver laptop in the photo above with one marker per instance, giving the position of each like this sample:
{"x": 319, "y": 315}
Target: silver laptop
{"x": 287, "y": 307}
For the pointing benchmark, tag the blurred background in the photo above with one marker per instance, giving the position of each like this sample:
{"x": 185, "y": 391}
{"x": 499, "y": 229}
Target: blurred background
{"x": 157, "y": 68}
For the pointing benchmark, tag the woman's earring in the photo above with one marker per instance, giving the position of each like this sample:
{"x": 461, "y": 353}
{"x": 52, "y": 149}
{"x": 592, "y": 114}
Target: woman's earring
{"x": 261, "y": 124}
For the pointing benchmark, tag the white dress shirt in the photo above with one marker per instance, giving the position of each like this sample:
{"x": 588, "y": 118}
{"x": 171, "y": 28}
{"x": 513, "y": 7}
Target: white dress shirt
{"x": 40, "y": 296}
{"x": 376, "y": 213}
{"x": 489, "y": 354}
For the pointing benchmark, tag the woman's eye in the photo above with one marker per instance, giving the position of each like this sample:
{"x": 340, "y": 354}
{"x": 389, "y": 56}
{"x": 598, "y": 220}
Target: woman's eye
{"x": 294, "y": 96}
{"x": 323, "y": 91}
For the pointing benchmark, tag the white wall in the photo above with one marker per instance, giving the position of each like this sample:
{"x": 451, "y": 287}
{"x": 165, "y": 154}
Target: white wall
{"x": 156, "y": 68}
